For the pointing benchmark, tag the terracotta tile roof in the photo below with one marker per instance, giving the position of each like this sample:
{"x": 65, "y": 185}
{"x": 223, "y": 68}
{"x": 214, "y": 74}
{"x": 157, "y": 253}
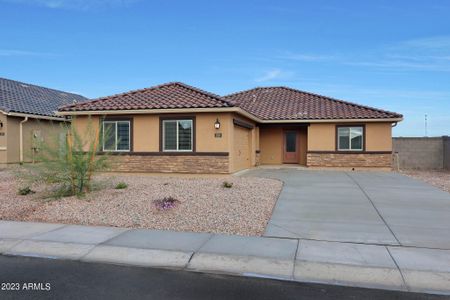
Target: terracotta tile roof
{"x": 283, "y": 103}
{"x": 169, "y": 95}
{"x": 26, "y": 98}
{"x": 266, "y": 103}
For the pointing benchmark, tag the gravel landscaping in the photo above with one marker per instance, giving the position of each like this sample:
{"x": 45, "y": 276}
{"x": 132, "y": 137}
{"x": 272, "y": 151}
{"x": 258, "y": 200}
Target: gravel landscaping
{"x": 440, "y": 179}
{"x": 203, "y": 204}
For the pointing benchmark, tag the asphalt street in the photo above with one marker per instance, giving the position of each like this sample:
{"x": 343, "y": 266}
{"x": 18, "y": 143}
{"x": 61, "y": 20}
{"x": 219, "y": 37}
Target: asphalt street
{"x": 38, "y": 278}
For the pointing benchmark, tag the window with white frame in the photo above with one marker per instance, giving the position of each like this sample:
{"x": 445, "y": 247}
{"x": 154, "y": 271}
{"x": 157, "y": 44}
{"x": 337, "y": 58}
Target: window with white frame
{"x": 116, "y": 135}
{"x": 177, "y": 135}
{"x": 350, "y": 138}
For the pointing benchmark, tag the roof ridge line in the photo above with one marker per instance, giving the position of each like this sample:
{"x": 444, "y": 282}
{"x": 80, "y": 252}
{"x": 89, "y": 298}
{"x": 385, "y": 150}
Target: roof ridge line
{"x": 241, "y": 92}
{"x": 257, "y": 88}
{"x": 201, "y": 91}
{"x": 182, "y": 84}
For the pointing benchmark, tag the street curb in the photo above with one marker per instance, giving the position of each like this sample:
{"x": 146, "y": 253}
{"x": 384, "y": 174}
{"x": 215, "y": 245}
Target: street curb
{"x": 251, "y": 256}
{"x": 345, "y": 274}
{"x": 49, "y": 249}
{"x": 262, "y": 266}
{"x": 138, "y": 257}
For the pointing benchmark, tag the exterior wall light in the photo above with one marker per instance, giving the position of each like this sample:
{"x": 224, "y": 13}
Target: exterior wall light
{"x": 1, "y": 124}
{"x": 217, "y": 124}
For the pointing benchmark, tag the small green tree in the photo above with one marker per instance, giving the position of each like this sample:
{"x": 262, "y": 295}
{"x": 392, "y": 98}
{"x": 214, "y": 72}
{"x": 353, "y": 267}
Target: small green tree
{"x": 69, "y": 164}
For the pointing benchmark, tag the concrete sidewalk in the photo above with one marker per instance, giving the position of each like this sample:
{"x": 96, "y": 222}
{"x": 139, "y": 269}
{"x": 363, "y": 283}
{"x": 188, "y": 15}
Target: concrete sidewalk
{"x": 379, "y": 266}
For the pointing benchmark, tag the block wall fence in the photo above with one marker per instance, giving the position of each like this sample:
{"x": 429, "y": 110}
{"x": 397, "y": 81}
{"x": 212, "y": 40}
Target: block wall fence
{"x": 421, "y": 152}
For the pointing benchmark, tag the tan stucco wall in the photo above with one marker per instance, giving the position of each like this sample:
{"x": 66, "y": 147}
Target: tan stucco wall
{"x": 12, "y": 136}
{"x": 379, "y": 137}
{"x": 303, "y": 147}
{"x": 322, "y": 137}
{"x": 269, "y": 140}
{"x": 206, "y": 141}
{"x": 271, "y": 145}
{"x": 86, "y": 127}
{"x": 47, "y": 130}
{"x": 255, "y": 144}
{"x": 146, "y": 131}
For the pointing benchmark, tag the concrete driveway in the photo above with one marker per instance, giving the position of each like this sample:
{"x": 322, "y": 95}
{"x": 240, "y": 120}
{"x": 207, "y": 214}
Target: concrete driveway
{"x": 361, "y": 207}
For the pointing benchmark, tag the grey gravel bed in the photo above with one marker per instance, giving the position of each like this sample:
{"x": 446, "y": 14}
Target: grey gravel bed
{"x": 438, "y": 178}
{"x": 205, "y": 206}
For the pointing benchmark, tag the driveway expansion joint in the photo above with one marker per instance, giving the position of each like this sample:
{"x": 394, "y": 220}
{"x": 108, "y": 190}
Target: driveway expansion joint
{"x": 203, "y": 244}
{"x": 374, "y": 206}
{"x": 295, "y": 257}
{"x": 398, "y": 268}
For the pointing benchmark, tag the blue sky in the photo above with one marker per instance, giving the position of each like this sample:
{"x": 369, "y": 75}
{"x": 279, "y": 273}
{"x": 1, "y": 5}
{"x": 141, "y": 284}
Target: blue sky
{"x": 388, "y": 54}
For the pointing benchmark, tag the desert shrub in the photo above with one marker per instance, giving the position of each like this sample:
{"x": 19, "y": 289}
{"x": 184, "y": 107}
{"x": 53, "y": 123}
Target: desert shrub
{"x": 25, "y": 191}
{"x": 227, "y": 184}
{"x": 68, "y": 164}
{"x": 121, "y": 185}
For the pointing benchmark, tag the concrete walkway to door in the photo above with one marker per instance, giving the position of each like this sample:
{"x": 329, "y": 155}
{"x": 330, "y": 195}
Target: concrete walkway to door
{"x": 383, "y": 208}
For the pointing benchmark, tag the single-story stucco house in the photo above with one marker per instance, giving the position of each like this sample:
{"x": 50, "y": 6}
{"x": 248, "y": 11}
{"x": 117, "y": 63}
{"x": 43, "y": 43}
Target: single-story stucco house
{"x": 175, "y": 127}
{"x": 27, "y": 117}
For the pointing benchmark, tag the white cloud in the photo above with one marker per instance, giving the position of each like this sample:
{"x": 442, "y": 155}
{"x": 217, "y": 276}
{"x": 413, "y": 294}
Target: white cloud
{"x": 274, "y": 74}
{"x": 424, "y": 54}
{"x": 428, "y": 43}
{"x": 74, "y": 4}
{"x": 400, "y": 65}
{"x": 269, "y": 75}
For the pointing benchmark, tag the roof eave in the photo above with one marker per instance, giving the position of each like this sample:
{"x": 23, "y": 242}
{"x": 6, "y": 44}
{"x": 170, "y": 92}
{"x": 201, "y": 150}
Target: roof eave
{"x": 34, "y": 116}
{"x": 220, "y": 109}
{"x": 360, "y": 120}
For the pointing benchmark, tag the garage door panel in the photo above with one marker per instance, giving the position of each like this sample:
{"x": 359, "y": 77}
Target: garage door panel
{"x": 241, "y": 157}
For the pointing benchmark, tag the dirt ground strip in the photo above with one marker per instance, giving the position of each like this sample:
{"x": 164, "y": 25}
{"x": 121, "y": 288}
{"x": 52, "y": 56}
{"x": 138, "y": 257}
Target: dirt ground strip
{"x": 440, "y": 179}
{"x": 204, "y": 204}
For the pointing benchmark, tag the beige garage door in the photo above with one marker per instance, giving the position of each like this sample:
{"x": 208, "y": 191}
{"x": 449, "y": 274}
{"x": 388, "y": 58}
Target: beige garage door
{"x": 241, "y": 157}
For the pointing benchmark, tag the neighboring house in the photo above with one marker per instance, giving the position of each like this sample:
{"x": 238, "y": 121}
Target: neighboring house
{"x": 27, "y": 116}
{"x": 178, "y": 128}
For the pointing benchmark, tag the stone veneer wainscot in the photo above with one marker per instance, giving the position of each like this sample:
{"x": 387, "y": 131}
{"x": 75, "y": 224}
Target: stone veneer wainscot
{"x": 341, "y": 160}
{"x": 160, "y": 163}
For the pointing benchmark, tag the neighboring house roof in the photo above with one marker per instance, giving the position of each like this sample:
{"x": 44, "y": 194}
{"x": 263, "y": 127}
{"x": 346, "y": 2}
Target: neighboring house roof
{"x": 169, "y": 95}
{"x": 283, "y": 103}
{"x": 19, "y": 97}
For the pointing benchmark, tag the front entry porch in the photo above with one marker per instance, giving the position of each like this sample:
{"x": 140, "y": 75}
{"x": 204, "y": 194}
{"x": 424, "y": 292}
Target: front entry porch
{"x": 283, "y": 144}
